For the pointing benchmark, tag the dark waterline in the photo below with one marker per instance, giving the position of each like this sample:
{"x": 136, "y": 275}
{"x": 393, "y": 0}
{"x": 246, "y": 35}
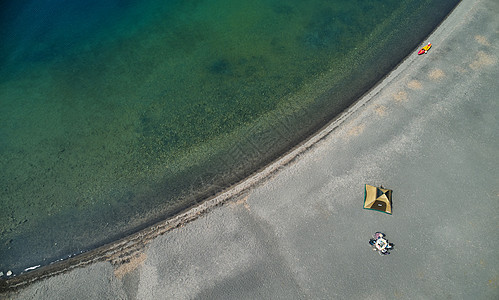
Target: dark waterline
{"x": 118, "y": 115}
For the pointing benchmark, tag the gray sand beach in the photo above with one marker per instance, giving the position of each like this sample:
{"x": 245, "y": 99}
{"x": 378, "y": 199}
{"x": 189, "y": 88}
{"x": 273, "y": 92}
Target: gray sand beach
{"x": 297, "y": 230}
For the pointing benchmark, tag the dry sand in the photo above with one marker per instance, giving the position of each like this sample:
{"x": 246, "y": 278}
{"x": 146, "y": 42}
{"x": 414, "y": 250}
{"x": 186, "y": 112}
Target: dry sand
{"x": 429, "y": 131}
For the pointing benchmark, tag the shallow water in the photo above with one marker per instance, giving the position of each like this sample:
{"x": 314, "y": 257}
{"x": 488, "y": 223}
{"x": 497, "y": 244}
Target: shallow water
{"x": 116, "y": 115}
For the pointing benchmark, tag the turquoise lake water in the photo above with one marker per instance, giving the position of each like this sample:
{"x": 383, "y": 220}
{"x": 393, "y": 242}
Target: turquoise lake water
{"x": 117, "y": 114}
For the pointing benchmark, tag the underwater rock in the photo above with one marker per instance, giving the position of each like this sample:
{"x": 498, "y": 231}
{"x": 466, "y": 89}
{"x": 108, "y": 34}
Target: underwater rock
{"x": 221, "y": 67}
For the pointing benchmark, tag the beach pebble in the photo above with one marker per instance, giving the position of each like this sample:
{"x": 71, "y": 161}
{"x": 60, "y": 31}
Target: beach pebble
{"x": 9, "y": 273}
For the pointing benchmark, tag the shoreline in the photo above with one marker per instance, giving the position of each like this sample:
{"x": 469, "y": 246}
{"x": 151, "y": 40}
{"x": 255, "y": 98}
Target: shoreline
{"x": 136, "y": 184}
{"x": 120, "y": 251}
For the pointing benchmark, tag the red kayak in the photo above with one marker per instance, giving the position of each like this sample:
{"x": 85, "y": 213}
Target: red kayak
{"x": 425, "y": 49}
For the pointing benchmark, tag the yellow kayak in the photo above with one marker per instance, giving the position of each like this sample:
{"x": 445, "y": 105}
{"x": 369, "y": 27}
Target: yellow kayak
{"x": 425, "y": 49}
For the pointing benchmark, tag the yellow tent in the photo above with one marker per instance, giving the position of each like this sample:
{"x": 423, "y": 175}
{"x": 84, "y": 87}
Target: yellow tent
{"x": 378, "y": 199}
